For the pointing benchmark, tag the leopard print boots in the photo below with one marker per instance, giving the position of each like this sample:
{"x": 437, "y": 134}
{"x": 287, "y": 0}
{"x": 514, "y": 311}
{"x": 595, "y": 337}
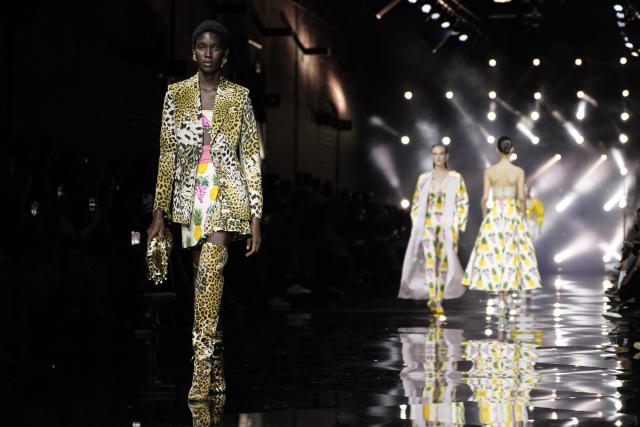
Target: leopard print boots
{"x": 208, "y": 295}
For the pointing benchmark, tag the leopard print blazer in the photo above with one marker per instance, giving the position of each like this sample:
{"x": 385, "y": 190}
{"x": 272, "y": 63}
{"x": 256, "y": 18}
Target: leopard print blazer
{"x": 235, "y": 149}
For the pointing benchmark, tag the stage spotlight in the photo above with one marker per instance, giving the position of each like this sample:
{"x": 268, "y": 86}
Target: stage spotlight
{"x": 578, "y": 61}
{"x": 449, "y": 94}
{"x": 629, "y": 45}
{"x": 564, "y": 203}
{"x": 435, "y": 16}
{"x": 405, "y": 204}
{"x": 408, "y": 94}
{"x": 493, "y": 62}
{"x": 446, "y": 140}
{"x": 534, "y": 115}
{"x": 580, "y": 94}
{"x": 537, "y": 95}
{"x": 621, "y": 24}
{"x": 522, "y": 127}
{"x": 491, "y": 139}
{"x": 491, "y": 115}
{"x": 623, "y": 60}
{"x": 536, "y": 62}
{"x": 413, "y": 1}
{"x": 623, "y": 203}
{"x": 463, "y": 37}
{"x": 535, "y": 140}
{"x": 625, "y": 93}
{"x": 513, "y": 157}
{"x": 624, "y": 116}
{"x": 493, "y": 94}
{"x": 617, "y": 157}
{"x": 581, "y": 111}
{"x": 545, "y": 167}
{"x": 620, "y": 15}
{"x": 405, "y": 140}
{"x": 614, "y": 200}
{"x": 426, "y": 8}
{"x": 617, "y": 8}
{"x": 623, "y": 138}
{"x": 445, "y": 24}
{"x": 634, "y": 54}
{"x": 577, "y": 246}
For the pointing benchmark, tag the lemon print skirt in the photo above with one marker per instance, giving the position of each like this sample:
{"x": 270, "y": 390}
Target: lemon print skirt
{"x": 210, "y": 212}
{"x": 503, "y": 258}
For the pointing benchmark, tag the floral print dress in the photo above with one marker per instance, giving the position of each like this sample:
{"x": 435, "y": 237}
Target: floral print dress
{"x": 503, "y": 258}
{"x": 206, "y": 216}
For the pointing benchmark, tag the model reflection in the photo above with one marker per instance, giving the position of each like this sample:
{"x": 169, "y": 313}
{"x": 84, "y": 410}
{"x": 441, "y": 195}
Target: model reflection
{"x": 430, "y": 377}
{"x": 208, "y": 412}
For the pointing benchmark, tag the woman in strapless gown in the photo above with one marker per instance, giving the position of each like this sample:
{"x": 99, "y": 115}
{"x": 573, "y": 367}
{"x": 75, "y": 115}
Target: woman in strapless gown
{"x": 503, "y": 258}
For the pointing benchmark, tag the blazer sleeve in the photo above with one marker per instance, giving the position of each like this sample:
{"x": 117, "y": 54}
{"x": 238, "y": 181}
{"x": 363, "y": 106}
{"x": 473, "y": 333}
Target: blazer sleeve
{"x": 164, "y": 181}
{"x": 415, "y": 200}
{"x": 462, "y": 204}
{"x": 539, "y": 210}
{"x": 250, "y": 158}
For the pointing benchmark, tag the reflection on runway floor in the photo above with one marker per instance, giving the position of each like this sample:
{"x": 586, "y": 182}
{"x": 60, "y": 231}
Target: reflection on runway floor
{"x": 376, "y": 363}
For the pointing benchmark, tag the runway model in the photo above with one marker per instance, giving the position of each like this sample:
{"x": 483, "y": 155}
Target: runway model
{"x": 209, "y": 180}
{"x": 503, "y": 258}
{"x": 431, "y": 268}
{"x": 535, "y": 213}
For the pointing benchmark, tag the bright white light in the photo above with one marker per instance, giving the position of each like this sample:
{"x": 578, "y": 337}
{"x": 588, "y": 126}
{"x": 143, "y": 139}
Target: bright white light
{"x": 624, "y": 171}
{"x": 493, "y": 62}
{"x": 405, "y": 140}
{"x": 617, "y": 157}
{"x": 545, "y": 167}
{"x": 493, "y": 94}
{"x": 623, "y": 60}
{"x": 617, "y": 8}
{"x": 445, "y": 24}
{"x": 534, "y": 115}
{"x": 535, "y": 140}
{"x": 408, "y": 94}
{"x": 576, "y": 247}
{"x": 625, "y": 93}
{"x": 614, "y": 200}
{"x": 571, "y": 130}
{"x": 513, "y": 157}
{"x": 536, "y": 62}
{"x": 446, "y": 140}
{"x": 488, "y": 332}
{"x": 580, "y": 94}
{"x": 491, "y": 115}
{"x": 578, "y": 61}
{"x": 426, "y": 8}
{"x": 557, "y": 157}
{"x": 629, "y": 45}
{"x": 413, "y": 1}
{"x": 623, "y": 203}
{"x": 621, "y": 24}
{"x": 634, "y": 54}
{"x": 564, "y": 203}
{"x": 435, "y": 15}
{"x": 449, "y": 94}
{"x": 463, "y": 37}
{"x": 522, "y": 127}
{"x": 623, "y": 138}
{"x": 491, "y": 139}
{"x": 581, "y": 111}
{"x": 624, "y": 116}
{"x": 405, "y": 204}
{"x": 620, "y": 15}
{"x": 537, "y": 95}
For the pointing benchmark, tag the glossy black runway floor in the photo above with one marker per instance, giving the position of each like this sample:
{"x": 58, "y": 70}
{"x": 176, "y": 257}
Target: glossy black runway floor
{"x": 385, "y": 363}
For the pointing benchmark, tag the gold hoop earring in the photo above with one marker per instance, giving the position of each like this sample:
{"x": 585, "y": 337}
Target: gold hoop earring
{"x": 194, "y": 58}
{"x": 224, "y": 61}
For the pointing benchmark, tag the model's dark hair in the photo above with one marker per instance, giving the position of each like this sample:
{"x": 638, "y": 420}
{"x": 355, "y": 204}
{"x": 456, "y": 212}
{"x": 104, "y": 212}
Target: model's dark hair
{"x": 210, "y": 26}
{"x": 505, "y": 144}
{"x": 446, "y": 151}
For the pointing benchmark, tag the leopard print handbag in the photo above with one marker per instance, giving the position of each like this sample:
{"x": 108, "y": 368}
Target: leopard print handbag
{"x": 158, "y": 257}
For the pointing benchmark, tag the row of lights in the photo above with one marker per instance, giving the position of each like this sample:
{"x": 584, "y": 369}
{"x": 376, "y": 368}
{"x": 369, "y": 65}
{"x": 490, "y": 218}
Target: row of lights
{"x": 427, "y": 9}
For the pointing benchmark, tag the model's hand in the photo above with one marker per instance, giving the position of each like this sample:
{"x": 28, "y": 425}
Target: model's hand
{"x": 254, "y": 242}
{"x": 156, "y": 228}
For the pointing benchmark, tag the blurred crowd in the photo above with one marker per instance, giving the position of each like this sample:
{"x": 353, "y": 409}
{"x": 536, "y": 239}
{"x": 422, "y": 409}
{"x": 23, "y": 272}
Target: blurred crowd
{"x": 624, "y": 293}
{"x": 72, "y": 252}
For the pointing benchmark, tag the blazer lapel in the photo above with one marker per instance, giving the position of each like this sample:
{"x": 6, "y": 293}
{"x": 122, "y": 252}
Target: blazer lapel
{"x": 219, "y": 112}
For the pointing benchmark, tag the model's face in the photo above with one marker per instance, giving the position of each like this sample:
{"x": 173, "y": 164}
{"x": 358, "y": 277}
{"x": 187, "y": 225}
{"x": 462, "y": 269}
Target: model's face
{"x": 209, "y": 52}
{"x": 439, "y": 156}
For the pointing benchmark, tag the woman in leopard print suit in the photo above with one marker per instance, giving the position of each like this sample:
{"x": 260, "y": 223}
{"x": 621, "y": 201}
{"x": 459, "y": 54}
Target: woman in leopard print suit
{"x": 209, "y": 181}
